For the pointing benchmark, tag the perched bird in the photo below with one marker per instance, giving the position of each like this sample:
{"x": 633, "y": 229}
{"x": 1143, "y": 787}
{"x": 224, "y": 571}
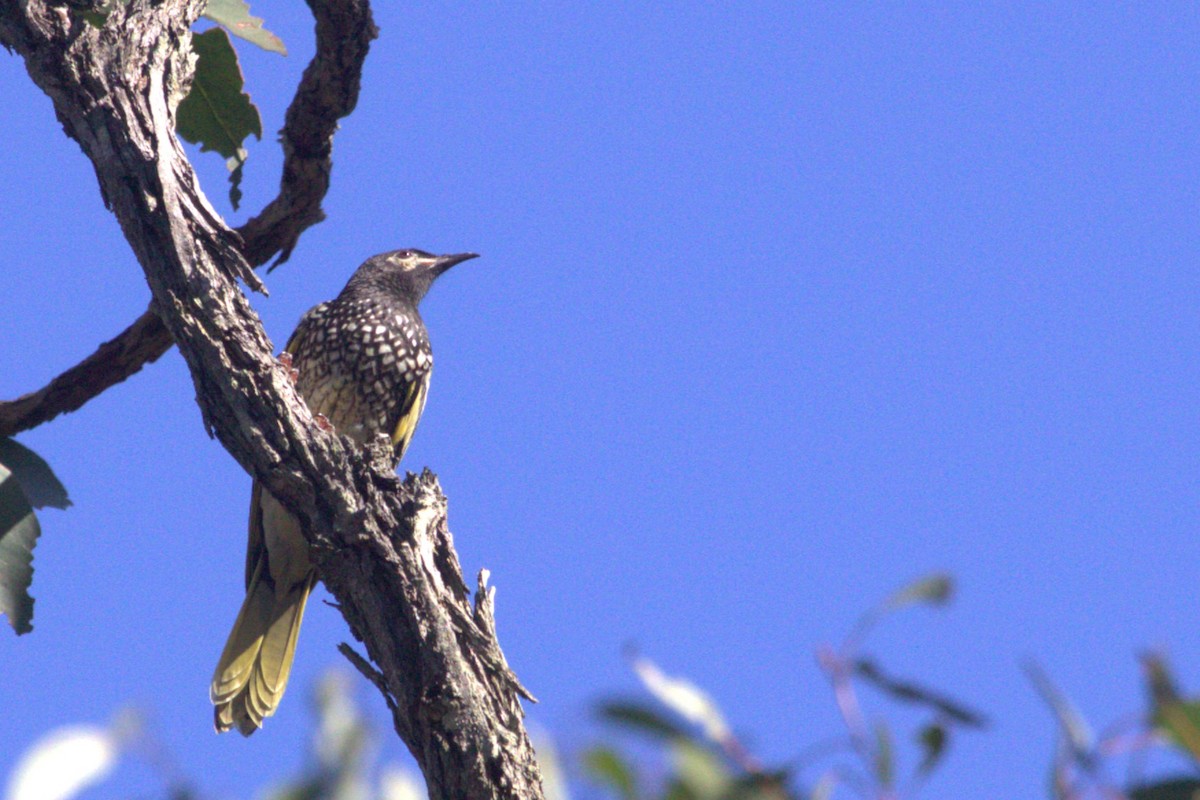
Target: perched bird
{"x": 363, "y": 361}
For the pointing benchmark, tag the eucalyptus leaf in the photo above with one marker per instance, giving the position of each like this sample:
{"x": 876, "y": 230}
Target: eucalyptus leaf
{"x": 1159, "y": 681}
{"x": 761, "y": 786}
{"x": 1181, "y": 723}
{"x": 234, "y": 16}
{"x": 684, "y": 698}
{"x": 641, "y": 718}
{"x": 825, "y": 786}
{"x": 217, "y": 114}
{"x": 932, "y": 738}
{"x": 19, "y": 532}
{"x": 911, "y": 692}
{"x": 1079, "y": 737}
{"x": 609, "y": 768}
{"x": 885, "y": 759}
{"x": 396, "y": 783}
{"x": 63, "y": 763}
{"x": 699, "y": 770}
{"x": 936, "y": 589}
{"x": 39, "y": 483}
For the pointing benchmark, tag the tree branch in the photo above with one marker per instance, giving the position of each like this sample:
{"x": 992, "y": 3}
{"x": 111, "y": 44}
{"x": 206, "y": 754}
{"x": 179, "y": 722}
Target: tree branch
{"x": 114, "y": 361}
{"x": 381, "y": 547}
{"x": 327, "y": 92}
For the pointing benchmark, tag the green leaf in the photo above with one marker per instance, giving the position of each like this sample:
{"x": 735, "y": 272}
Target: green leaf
{"x": 341, "y": 734}
{"x": 41, "y": 487}
{"x": 913, "y": 693}
{"x": 885, "y": 763}
{"x": 397, "y": 783}
{"x": 306, "y": 789}
{"x": 1176, "y": 718}
{"x": 1060, "y": 779}
{"x": 217, "y": 114}
{"x": 1159, "y": 681}
{"x": 94, "y": 18}
{"x": 699, "y": 770}
{"x": 1174, "y": 789}
{"x": 235, "y": 166}
{"x": 678, "y": 791}
{"x": 641, "y": 718}
{"x": 609, "y": 768}
{"x": 936, "y": 589}
{"x": 1181, "y": 723}
{"x": 1078, "y": 733}
{"x": 19, "y": 531}
{"x": 96, "y": 13}
{"x": 234, "y": 16}
{"x": 554, "y": 781}
{"x": 932, "y": 739}
{"x": 760, "y": 786}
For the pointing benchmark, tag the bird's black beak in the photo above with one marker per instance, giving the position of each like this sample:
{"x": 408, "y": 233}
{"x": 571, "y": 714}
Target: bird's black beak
{"x": 443, "y": 263}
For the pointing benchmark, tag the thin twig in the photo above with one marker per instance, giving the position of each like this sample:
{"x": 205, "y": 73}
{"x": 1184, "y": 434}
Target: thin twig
{"x": 369, "y": 672}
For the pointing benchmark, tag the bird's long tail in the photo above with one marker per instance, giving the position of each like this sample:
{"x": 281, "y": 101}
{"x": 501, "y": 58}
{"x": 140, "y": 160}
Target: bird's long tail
{"x": 253, "y": 670}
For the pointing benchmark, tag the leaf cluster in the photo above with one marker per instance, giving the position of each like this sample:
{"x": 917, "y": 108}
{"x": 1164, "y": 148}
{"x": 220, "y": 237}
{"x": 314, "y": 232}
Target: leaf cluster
{"x": 342, "y": 763}
{"x": 1084, "y": 760}
{"x": 704, "y": 760}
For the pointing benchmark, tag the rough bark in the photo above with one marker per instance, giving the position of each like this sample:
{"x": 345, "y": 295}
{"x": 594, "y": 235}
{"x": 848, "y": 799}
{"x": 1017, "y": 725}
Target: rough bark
{"x": 327, "y": 92}
{"x": 382, "y": 547}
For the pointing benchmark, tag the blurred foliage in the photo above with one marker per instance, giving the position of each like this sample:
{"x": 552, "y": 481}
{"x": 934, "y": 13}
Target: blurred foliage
{"x": 704, "y": 760}
{"x": 26, "y": 483}
{"x": 1085, "y": 762}
{"x": 343, "y": 760}
{"x": 675, "y": 742}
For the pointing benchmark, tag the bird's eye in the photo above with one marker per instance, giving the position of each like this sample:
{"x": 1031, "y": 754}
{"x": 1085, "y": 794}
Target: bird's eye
{"x": 406, "y": 254}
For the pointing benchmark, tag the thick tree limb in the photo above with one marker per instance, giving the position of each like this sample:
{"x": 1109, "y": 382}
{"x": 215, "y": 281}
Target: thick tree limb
{"x": 382, "y": 547}
{"x": 327, "y": 92}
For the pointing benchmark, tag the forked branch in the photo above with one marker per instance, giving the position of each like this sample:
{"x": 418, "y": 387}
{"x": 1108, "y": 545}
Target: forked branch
{"x": 382, "y": 547}
{"x": 327, "y": 92}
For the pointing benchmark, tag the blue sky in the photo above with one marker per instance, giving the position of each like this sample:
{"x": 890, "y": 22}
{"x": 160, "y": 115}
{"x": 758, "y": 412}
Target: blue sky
{"x": 780, "y": 306}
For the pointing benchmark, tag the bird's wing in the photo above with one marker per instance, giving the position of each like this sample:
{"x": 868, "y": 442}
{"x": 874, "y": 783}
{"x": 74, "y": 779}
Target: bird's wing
{"x": 408, "y": 412}
{"x": 254, "y": 542}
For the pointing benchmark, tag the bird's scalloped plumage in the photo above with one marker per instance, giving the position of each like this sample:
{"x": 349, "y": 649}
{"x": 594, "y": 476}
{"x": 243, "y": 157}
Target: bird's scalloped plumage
{"x": 363, "y": 361}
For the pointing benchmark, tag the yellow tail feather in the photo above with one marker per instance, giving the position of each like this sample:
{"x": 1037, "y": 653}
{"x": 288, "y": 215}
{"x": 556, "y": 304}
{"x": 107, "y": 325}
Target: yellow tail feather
{"x": 252, "y": 673}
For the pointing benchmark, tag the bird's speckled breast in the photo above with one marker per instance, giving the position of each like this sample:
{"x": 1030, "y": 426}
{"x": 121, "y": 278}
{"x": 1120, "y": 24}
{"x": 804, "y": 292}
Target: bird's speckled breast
{"x": 357, "y": 362}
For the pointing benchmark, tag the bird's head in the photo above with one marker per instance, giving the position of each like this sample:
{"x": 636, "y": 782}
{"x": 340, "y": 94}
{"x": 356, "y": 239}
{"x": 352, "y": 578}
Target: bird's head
{"x": 406, "y": 273}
